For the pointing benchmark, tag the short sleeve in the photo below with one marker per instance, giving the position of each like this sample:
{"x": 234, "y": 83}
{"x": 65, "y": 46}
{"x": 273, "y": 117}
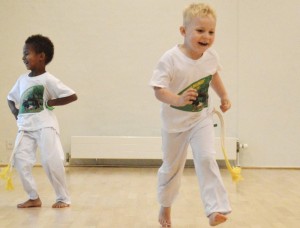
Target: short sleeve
{"x": 57, "y": 89}
{"x": 215, "y": 54}
{"x": 14, "y": 94}
{"x": 162, "y": 73}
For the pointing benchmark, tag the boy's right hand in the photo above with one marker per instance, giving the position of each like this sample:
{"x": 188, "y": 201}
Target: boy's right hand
{"x": 13, "y": 109}
{"x": 187, "y": 97}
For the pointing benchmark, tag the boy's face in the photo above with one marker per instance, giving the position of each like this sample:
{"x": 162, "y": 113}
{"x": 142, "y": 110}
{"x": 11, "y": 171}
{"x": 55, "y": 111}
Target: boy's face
{"x": 199, "y": 35}
{"x": 32, "y": 60}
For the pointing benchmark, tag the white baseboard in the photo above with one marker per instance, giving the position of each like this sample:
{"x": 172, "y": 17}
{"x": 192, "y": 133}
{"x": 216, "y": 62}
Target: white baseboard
{"x": 132, "y": 147}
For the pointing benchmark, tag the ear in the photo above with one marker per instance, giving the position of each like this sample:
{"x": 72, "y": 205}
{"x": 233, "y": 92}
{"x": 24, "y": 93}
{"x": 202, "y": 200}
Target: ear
{"x": 182, "y": 30}
{"x": 42, "y": 56}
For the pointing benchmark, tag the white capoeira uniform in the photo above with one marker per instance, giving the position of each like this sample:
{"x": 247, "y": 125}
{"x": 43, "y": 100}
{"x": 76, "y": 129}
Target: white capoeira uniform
{"x": 190, "y": 125}
{"x": 38, "y": 127}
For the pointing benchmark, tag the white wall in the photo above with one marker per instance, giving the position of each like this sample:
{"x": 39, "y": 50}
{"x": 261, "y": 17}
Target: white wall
{"x": 106, "y": 51}
{"x": 268, "y": 82}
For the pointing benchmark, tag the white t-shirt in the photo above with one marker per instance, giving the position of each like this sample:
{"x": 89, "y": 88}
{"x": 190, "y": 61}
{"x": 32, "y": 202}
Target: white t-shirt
{"x": 177, "y": 72}
{"x": 30, "y": 95}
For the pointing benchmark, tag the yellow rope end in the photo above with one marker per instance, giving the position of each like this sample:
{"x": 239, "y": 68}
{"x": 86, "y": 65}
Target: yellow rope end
{"x": 4, "y": 172}
{"x": 9, "y": 185}
{"x": 236, "y": 174}
{"x": 6, "y": 175}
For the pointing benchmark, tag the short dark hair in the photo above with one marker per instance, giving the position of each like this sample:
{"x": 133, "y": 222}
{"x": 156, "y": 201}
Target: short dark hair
{"x": 42, "y": 44}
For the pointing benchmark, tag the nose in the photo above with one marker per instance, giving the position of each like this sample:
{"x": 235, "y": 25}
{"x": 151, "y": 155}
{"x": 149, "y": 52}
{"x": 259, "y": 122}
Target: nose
{"x": 207, "y": 35}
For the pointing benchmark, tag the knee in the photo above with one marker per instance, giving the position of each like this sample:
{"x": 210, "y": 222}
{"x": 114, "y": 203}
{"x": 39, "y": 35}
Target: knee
{"x": 207, "y": 160}
{"x": 22, "y": 165}
{"x": 22, "y": 162}
{"x": 168, "y": 167}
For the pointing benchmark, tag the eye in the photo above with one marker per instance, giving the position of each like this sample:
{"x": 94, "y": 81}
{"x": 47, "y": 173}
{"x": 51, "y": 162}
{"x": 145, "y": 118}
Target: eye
{"x": 200, "y": 30}
{"x": 211, "y": 32}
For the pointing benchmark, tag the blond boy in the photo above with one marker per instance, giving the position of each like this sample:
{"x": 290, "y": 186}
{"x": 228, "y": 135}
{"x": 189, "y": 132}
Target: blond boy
{"x": 182, "y": 80}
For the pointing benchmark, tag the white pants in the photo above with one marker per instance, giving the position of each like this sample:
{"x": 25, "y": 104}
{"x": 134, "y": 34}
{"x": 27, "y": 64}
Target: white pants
{"x": 52, "y": 157}
{"x": 174, "y": 146}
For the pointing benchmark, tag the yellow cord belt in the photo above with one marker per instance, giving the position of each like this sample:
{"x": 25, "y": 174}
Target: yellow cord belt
{"x": 234, "y": 171}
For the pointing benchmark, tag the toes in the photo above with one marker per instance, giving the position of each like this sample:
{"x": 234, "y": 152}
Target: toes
{"x": 216, "y": 219}
{"x": 60, "y": 205}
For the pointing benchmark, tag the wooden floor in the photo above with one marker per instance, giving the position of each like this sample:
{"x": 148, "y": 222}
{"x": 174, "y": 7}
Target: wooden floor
{"x": 126, "y": 197}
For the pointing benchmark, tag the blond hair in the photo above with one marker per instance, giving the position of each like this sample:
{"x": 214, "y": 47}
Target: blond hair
{"x": 197, "y": 10}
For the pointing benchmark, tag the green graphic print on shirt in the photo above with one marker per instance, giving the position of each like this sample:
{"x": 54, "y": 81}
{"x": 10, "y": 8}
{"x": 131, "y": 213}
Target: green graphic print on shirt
{"x": 201, "y": 102}
{"x": 32, "y": 100}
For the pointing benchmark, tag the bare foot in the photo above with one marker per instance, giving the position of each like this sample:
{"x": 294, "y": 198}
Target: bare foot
{"x": 30, "y": 203}
{"x": 216, "y": 219}
{"x": 164, "y": 217}
{"x": 60, "y": 204}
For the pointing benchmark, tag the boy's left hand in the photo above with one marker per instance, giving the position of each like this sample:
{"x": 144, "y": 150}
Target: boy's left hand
{"x": 225, "y": 104}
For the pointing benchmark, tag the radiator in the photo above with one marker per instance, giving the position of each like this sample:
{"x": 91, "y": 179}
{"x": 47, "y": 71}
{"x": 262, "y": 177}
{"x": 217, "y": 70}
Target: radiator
{"x": 132, "y": 147}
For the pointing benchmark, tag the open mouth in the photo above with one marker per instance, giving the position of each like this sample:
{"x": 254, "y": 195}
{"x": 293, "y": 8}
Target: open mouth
{"x": 26, "y": 64}
{"x": 203, "y": 44}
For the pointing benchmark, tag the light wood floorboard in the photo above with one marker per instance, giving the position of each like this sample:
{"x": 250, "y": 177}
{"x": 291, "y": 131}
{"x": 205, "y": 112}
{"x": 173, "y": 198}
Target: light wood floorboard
{"x": 126, "y": 197}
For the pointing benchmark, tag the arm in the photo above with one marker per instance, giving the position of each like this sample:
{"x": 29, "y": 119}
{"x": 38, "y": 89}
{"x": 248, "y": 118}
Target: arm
{"x": 13, "y": 108}
{"x": 168, "y": 97}
{"x": 62, "y": 100}
{"x": 219, "y": 88}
